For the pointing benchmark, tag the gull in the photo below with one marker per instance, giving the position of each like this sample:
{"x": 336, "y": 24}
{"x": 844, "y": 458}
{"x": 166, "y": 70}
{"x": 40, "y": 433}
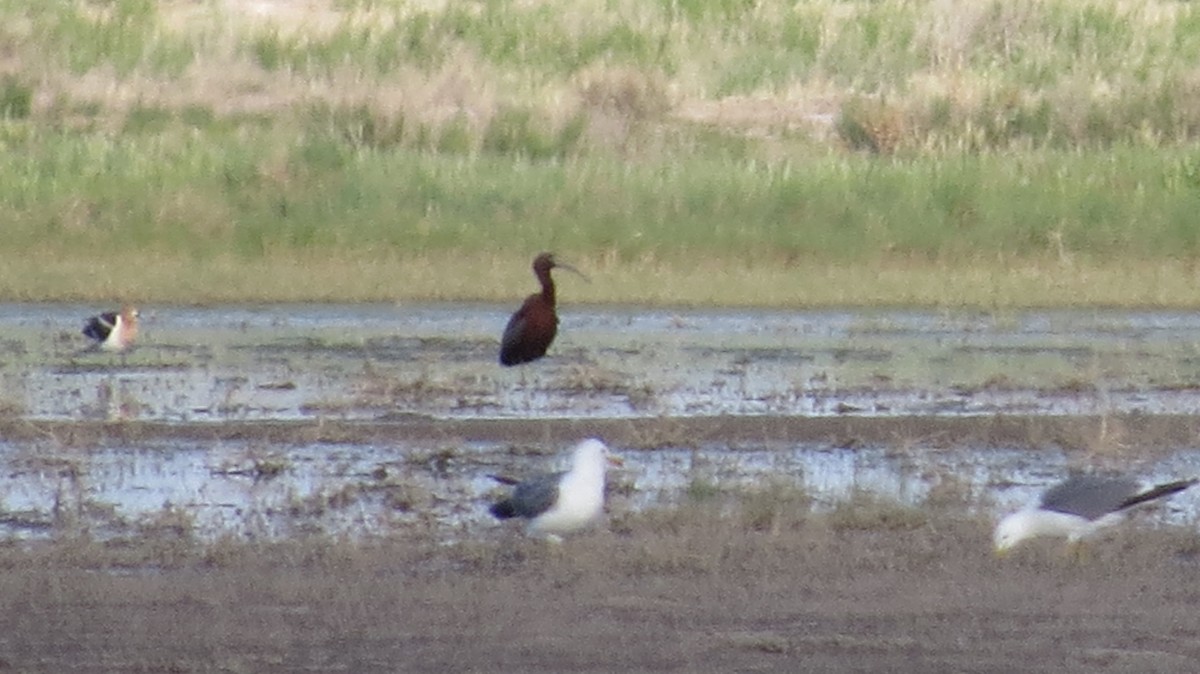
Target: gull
{"x": 1078, "y": 508}
{"x": 560, "y": 503}
{"x": 113, "y": 331}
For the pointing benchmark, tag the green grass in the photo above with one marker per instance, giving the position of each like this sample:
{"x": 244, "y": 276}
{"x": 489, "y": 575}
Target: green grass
{"x": 887, "y": 144}
{"x": 202, "y": 195}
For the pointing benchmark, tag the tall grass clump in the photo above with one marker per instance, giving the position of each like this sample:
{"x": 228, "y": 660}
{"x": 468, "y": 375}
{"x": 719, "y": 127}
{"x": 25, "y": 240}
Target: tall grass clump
{"x": 16, "y": 98}
{"x": 123, "y": 35}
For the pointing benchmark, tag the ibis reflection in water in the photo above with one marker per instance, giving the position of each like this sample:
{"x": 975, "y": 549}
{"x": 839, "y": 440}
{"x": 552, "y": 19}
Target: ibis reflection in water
{"x": 531, "y": 330}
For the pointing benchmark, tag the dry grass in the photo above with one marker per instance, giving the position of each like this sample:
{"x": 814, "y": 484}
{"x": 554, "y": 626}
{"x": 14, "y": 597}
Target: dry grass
{"x": 900, "y": 75}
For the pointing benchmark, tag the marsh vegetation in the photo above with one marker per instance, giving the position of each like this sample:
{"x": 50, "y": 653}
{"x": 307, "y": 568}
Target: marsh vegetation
{"x": 990, "y": 155}
{"x": 769, "y": 153}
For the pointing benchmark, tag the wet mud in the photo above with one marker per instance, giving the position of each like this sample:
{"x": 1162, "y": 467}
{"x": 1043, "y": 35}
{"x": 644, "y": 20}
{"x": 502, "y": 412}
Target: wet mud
{"x": 266, "y": 421}
{"x": 799, "y": 490}
{"x": 373, "y": 362}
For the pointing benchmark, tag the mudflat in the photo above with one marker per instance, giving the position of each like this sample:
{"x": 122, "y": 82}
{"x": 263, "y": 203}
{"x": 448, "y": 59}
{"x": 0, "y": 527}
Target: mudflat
{"x": 699, "y": 588}
{"x": 736, "y": 581}
{"x": 719, "y": 575}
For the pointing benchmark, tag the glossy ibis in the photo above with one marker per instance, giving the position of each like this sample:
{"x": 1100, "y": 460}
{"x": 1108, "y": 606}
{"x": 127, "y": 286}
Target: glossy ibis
{"x": 559, "y": 503}
{"x": 113, "y": 331}
{"x": 1078, "y": 508}
{"x": 531, "y": 330}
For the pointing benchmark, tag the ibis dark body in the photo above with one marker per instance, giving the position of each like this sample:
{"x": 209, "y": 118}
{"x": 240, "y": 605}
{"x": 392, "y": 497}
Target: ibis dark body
{"x": 533, "y": 327}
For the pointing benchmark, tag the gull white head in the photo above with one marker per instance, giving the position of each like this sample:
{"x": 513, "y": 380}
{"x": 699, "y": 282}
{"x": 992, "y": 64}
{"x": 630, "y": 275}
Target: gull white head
{"x": 591, "y": 454}
{"x": 1009, "y": 531}
{"x": 1032, "y": 523}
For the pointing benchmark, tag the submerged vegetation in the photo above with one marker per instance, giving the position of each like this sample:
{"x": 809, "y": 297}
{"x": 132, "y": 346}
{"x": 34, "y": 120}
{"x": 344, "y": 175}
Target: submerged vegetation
{"x": 732, "y": 152}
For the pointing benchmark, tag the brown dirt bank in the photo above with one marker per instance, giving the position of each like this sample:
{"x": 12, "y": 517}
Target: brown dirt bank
{"x": 687, "y": 590}
{"x": 1115, "y": 433}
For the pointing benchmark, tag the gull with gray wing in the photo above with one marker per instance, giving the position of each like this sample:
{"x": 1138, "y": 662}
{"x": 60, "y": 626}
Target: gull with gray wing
{"x": 1078, "y": 508}
{"x": 560, "y": 503}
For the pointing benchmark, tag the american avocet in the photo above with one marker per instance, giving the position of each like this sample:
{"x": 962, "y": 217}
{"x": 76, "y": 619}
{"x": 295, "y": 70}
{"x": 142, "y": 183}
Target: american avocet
{"x": 1078, "y": 508}
{"x": 560, "y": 503}
{"x": 113, "y": 331}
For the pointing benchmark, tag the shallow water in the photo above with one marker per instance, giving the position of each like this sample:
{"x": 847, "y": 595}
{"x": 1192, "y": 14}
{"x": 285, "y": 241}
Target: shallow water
{"x": 247, "y": 491}
{"x": 212, "y": 365}
{"x": 365, "y": 362}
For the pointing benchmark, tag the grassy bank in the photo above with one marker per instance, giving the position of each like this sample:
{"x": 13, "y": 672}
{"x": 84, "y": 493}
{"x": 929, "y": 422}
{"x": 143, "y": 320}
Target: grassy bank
{"x": 704, "y": 280}
{"x": 734, "y": 153}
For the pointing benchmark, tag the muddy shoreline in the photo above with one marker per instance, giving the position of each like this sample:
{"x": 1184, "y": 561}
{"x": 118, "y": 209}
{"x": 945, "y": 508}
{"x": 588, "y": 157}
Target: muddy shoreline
{"x": 699, "y": 589}
{"x": 304, "y": 489}
{"x": 1125, "y": 432}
